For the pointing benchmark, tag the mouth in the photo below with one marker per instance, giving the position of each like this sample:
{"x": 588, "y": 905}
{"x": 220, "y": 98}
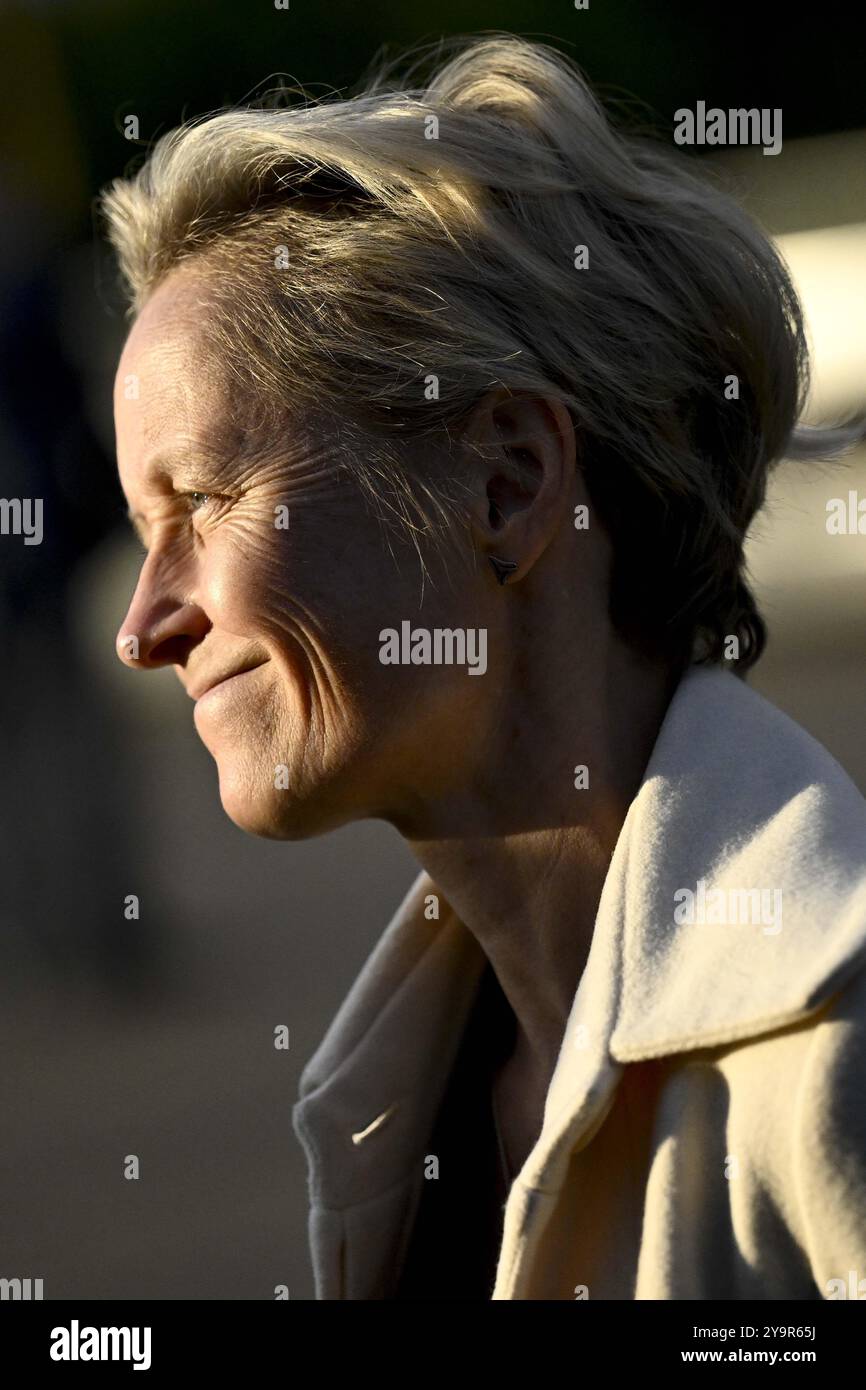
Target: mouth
{"x": 197, "y": 691}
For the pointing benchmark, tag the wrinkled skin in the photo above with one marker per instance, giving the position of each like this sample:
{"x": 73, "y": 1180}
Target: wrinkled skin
{"x": 223, "y": 588}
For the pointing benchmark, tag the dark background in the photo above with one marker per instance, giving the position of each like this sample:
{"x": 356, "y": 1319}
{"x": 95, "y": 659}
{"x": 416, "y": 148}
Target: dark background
{"x": 154, "y": 1037}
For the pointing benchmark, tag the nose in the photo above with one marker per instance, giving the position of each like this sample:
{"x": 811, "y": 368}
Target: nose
{"x": 161, "y": 626}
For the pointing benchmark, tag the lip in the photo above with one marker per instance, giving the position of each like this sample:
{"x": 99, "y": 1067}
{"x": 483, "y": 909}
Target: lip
{"x": 197, "y": 692}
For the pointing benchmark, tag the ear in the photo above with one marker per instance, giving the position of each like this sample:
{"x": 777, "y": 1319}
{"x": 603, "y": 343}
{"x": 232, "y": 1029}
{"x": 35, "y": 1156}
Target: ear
{"x": 524, "y": 460}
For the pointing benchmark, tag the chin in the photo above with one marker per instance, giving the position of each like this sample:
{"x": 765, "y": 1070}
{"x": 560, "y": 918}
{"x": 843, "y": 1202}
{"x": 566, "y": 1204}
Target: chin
{"x": 275, "y": 815}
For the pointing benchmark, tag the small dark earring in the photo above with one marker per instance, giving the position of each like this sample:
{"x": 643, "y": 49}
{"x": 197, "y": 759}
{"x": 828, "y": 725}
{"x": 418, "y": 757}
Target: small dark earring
{"x": 502, "y": 568}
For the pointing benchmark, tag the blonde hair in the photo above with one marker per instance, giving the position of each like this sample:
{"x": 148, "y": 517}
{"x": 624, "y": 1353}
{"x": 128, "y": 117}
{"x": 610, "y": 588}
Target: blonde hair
{"x": 380, "y": 261}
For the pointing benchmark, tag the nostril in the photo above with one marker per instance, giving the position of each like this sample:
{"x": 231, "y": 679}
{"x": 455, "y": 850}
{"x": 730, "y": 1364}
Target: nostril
{"x": 171, "y": 651}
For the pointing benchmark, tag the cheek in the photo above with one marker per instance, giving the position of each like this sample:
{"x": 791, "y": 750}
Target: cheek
{"x": 241, "y": 584}
{"x": 317, "y": 595}
{"x": 298, "y": 596}
{"x": 248, "y": 572}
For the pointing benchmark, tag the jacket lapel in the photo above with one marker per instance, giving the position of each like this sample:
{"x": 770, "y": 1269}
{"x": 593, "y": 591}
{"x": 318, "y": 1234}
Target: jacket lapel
{"x": 370, "y": 1093}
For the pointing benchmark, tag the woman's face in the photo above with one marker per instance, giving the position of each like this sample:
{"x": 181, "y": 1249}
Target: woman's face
{"x": 266, "y": 584}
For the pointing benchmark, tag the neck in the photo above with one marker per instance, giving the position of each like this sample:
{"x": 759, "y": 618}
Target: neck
{"x": 521, "y": 854}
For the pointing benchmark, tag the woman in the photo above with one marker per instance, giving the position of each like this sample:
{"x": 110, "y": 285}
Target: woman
{"x": 442, "y": 418}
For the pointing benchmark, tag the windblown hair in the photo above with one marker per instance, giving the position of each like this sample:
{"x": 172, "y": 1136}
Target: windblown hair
{"x": 355, "y": 249}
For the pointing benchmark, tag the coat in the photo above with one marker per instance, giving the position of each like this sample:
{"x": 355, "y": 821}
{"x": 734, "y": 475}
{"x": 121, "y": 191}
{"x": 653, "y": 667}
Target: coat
{"x": 704, "y": 1131}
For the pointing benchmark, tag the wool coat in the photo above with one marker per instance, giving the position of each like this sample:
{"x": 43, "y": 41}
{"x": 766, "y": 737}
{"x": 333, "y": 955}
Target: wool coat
{"x": 704, "y": 1132}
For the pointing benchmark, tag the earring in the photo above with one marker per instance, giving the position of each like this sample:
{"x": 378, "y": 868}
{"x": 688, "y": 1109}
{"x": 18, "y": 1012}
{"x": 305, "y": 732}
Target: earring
{"x": 502, "y": 568}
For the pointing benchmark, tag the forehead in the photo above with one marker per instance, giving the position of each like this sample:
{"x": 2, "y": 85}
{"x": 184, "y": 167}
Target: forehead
{"x": 173, "y": 394}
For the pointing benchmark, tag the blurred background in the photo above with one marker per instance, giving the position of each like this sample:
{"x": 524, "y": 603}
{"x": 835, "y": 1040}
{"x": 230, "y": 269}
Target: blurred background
{"x": 155, "y": 1036}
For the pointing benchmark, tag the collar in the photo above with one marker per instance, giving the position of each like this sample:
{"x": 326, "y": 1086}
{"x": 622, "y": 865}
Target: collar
{"x": 736, "y": 797}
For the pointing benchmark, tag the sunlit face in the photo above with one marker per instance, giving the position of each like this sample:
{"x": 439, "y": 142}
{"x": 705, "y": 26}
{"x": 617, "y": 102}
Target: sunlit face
{"x": 266, "y": 585}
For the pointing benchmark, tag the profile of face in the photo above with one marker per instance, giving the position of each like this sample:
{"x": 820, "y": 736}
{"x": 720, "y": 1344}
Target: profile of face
{"x": 266, "y": 583}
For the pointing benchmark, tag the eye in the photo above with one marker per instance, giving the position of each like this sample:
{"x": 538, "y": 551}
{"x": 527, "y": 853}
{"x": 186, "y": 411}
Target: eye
{"x": 200, "y": 501}
{"x": 211, "y": 504}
